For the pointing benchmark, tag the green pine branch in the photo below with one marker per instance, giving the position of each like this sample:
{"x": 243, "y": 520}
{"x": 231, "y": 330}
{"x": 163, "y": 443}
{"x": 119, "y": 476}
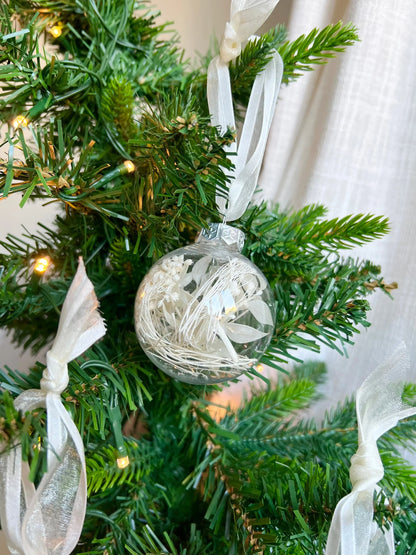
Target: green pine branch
{"x": 16, "y": 427}
{"x": 287, "y": 479}
{"x": 298, "y": 56}
{"x": 181, "y": 197}
{"x": 405, "y": 530}
{"x": 399, "y": 476}
{"x": 315, "y": 48}
{"x": 292, "y": 243}
{"x": 103, "y": 472}
{"x": 320, "y": 297}
{"x": 252, "y": 60}
{"x": 329, "y": 310}
{"x": 184, "y": 162}
{"x": 117, "y": 107}
{"x": 263, "y": 414}
{"x": 55, "y": 169}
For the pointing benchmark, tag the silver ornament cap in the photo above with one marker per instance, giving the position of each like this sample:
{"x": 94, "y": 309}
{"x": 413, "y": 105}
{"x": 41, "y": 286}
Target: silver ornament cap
{"x": 223, "y": 232}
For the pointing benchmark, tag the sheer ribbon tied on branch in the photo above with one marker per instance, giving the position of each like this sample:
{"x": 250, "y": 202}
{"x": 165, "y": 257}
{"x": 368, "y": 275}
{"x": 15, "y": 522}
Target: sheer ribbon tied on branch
{"x": 48, "y": 519}
{"x": 379, "y": 407}
{"x": 245, "y": 18}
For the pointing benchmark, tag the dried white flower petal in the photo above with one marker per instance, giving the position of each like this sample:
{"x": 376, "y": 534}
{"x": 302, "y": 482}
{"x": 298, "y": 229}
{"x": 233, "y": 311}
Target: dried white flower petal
{"x": 239, "y": 333}
{"x": 261, "y": 312}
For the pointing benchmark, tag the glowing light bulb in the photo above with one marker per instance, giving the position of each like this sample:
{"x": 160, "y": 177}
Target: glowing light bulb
{"x": 55, "y": 31}
{"x": 259, "y": 368}
{"x": 20, "y": 121}
{"x": 42, "y": 264}
{"x": 129, "y": 166}
{"x": 37, "y": 445}
{"x": 123, "y": 462}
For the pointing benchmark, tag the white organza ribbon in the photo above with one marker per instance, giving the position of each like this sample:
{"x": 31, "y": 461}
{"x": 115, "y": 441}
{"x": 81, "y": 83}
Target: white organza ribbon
{"x": 246, "y": 17}
{"x": 48, "y": 519}
{"x": 379, "y": 407}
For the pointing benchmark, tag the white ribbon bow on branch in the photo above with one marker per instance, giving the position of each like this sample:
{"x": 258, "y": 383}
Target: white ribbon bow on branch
{"x": 48, "y": 519}
{"x": 379, "y": 407}
{"x": 245, "y": 18}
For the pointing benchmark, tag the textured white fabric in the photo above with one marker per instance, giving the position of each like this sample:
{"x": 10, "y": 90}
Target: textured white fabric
{"x": 344, "y": 135}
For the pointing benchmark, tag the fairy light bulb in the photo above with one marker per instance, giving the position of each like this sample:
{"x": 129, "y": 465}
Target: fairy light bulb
{"x": 129, "y": 166}
{"x": 20, "y": 121}
{"x": 123, "y": 462}
{"x": 38, "y": 445}
{"x": 55, "y": 31}
{"x": 42, "y": 264}
{"x": 259, "y": 368}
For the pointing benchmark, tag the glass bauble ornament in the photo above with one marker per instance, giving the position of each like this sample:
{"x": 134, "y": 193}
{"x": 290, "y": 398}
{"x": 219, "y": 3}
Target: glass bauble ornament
{"x": 204, "y": 313}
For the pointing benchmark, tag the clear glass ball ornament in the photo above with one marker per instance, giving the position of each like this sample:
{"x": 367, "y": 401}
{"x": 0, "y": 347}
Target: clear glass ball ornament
{"x": 204, "y": 313}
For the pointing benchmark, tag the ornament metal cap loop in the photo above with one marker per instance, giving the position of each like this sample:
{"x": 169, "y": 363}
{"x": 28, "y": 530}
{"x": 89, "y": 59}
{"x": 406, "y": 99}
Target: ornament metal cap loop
{"x": 226, "y": 233}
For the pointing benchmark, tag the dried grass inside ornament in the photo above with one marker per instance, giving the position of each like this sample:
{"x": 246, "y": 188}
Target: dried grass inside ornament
{"x": 205, "y": 313}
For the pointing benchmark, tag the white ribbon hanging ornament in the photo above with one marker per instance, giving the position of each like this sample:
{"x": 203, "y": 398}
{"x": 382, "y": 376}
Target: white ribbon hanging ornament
{"x": 245, "y": 18}
{"x": 379, "y": 407}
{"x": 48, "y": 520}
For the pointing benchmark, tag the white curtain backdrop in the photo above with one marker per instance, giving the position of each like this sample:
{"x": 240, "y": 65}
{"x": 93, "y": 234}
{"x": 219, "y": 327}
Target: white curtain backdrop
{"x": 345, "y": 136}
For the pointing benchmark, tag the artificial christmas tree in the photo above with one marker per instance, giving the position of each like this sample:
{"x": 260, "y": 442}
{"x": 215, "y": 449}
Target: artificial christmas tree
{"x": 112, "y": 123}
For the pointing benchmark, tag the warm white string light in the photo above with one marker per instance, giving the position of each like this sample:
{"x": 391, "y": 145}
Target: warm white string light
{"x": 42, "y": 263}
{"x": 123, "y": 462}
{"x": 129, "y": 166}
{"x": 56, "y": 30}
{"x": 20, "y": 121}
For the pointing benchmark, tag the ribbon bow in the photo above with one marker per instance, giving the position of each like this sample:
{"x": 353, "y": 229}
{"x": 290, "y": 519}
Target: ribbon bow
{"x": 245, "y": 18}
{"x": 379, "y": 407}
{"x": 48, "y": 519}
